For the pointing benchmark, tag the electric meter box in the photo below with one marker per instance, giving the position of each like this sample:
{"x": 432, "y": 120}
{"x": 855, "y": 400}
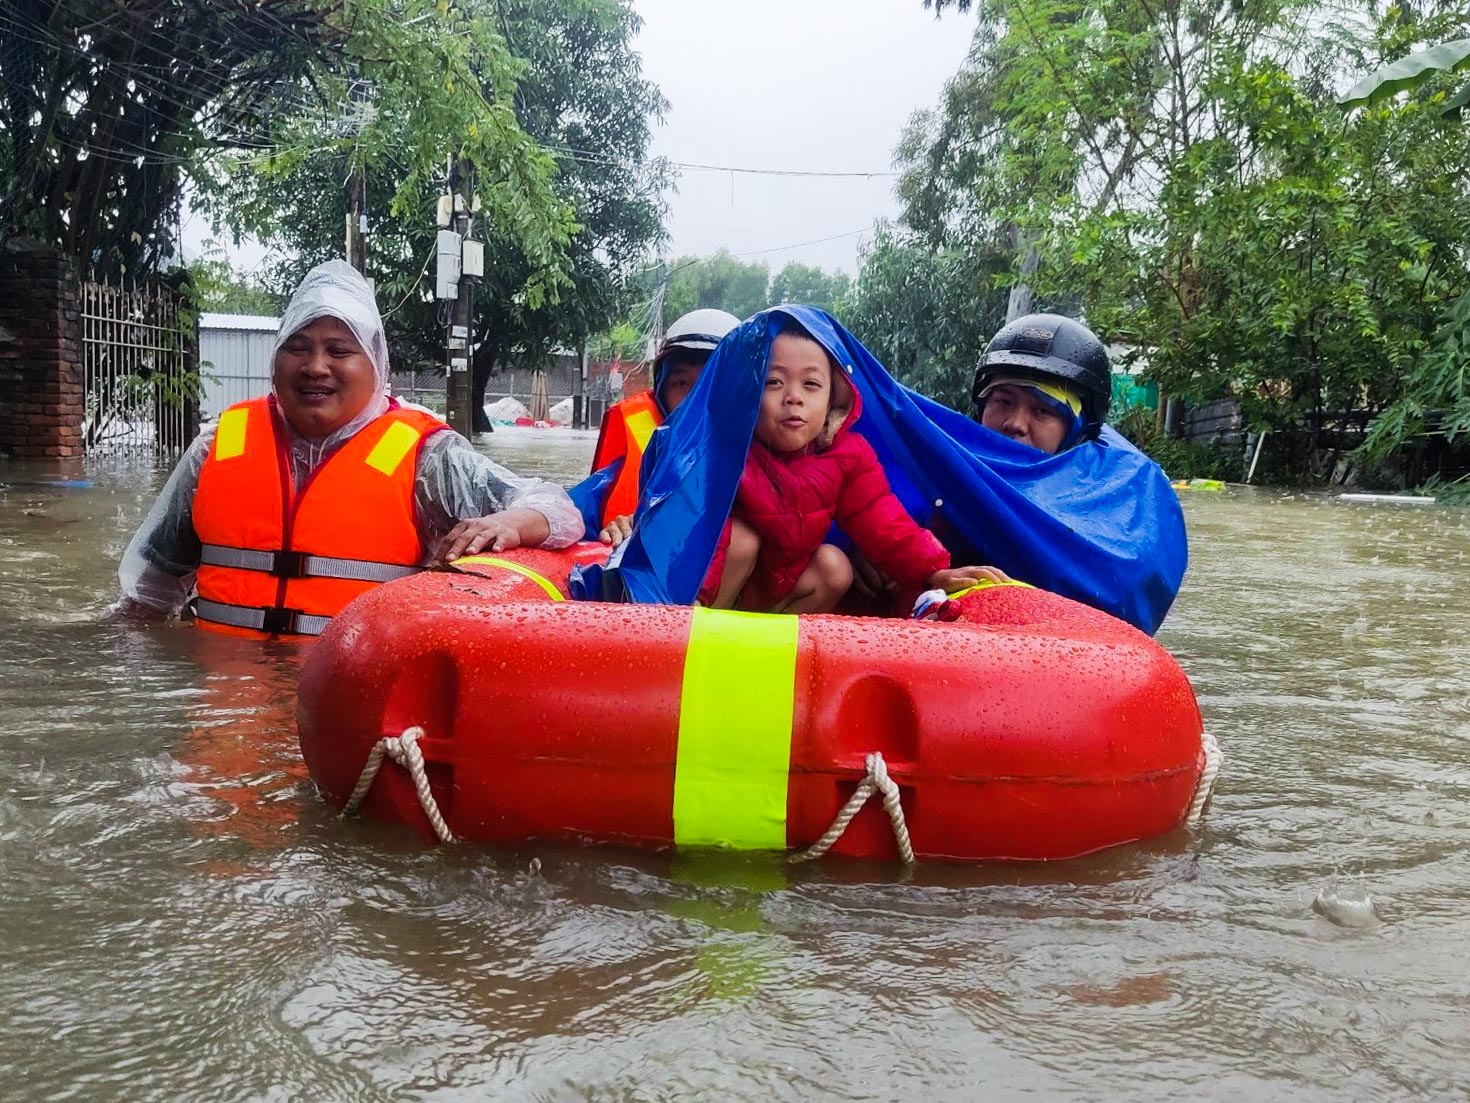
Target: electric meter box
{"x": 474, "y": 258}
{"x": 446, "y": 276}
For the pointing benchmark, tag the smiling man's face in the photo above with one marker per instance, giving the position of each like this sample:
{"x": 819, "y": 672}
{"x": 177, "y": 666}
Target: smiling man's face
{"x": 322, "y": 378}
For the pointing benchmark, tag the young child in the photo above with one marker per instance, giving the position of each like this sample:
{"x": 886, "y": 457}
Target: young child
{"x": 805, "y": 470}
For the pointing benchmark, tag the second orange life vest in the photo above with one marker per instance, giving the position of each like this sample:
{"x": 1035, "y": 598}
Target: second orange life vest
{"x": 626, "y": 430}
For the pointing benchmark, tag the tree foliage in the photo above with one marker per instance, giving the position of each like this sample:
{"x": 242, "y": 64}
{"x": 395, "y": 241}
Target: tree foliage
{"x": 1183, "y": 176}
{"x": 108, "y": 107}
{"x": 809, "y": 284}
{"x": 722, "y": 281}
{"x": 1408, "y": 73}
{"x": 218, "y": 286}
{"x": 566, "y": 83}
{"x": 104, "y": 105}
{"x": 926, "y": 311}
{"x": 719, "y": 281}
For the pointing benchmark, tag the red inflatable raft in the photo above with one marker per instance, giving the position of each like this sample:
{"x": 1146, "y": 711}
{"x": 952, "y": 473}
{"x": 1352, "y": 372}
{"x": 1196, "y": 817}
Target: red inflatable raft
{"x": 1031, "y": 727}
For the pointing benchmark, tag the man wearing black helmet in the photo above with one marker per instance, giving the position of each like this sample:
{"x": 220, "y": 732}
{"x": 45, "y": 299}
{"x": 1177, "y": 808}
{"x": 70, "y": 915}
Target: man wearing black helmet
{"x": 1088, "y": 515}
{"x": 1044, "y": 380}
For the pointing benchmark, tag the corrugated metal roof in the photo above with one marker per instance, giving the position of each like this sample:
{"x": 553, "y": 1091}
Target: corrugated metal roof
{"x": 239, "y": 321}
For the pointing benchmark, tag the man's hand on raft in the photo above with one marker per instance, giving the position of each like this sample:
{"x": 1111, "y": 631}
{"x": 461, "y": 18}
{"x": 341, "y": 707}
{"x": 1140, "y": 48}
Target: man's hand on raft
{"x": 512, "y": 528}
{"x": 957, "y": 578}
{"x": 618, "y": 530}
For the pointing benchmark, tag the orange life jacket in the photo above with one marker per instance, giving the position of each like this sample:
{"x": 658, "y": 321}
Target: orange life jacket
{"x": 625, "y": 432}
{"x": 282, "y": 560}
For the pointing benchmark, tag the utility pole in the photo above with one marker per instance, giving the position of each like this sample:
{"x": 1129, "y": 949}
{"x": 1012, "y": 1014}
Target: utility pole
{"x": 356, "y": 117}
{"x": 1021, "y": 300}
{"x": 459, "y": 392}
{"x": 357, "y": 219}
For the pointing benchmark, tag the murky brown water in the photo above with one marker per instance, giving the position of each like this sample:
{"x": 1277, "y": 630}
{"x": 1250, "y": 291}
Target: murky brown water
{"x": 181, "y": 918}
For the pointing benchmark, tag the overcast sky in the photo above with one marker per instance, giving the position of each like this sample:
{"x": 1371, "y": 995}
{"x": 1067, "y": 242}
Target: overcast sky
{"x": 794, "y": 85}
{"x": 789, "y": 85}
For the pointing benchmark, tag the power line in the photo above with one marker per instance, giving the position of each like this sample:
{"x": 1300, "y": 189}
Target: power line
{"x": 161, "y": 91}
{"x": 784, "y": 172}
{"x": 799, "y": 244}
{"x": 589, "y": 157}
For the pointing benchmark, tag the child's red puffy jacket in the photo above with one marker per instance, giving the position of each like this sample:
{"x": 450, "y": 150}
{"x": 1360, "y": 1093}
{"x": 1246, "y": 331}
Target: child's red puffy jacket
{"x": 792, "y": 498}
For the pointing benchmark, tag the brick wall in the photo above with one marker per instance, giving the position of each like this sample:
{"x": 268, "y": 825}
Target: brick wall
{"x": 41, "y": 385}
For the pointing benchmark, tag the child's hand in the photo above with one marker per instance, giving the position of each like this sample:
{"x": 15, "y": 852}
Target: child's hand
{"x": 618, "y": 530}
{"x": 957, "y": 578}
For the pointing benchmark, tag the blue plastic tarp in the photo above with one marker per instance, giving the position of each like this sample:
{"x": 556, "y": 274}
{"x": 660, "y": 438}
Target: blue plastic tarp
{"x": 590, "y": 495}
{"x": 1098, "y": 522}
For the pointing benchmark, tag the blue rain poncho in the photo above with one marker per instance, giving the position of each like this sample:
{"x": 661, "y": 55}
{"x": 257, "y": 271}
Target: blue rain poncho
{"x": 1098, "y": 522}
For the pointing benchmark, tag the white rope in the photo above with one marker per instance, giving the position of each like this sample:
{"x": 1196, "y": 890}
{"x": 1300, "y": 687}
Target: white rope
{"x": 876, "y": 781}
{"x": 1214, "y": 757}
{"x": 404, "y": 750}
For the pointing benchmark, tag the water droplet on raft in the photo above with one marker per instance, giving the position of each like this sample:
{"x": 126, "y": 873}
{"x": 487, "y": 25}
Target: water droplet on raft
{"x": 1351, "y": 907}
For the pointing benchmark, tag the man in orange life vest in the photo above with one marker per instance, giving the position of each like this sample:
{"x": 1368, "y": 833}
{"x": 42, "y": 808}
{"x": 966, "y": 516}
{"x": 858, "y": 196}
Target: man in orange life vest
{"x": 296, "y": 502}
{"x": 608, "y": 497}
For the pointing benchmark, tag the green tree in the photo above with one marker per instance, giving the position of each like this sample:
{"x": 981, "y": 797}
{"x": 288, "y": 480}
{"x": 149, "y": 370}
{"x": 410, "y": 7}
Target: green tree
{"x": 568, "y": 78}
{"x": 1413, "y": 71}
{"x": 927, "y": 312}
{"x": 104, "y": 106}
{"x": 720, "y": 281}
{"x": 1184, "y": 176}
{"x": 217, "y": 286}
{"x": 621, "y": 342}
{"x": 107, "y": 107}
{"x": 806, "y": 283}
{"x": 584, "y": 95}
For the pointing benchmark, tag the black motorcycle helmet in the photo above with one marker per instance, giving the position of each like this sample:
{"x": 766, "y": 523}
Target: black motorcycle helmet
{"x": 1049, "y": 348}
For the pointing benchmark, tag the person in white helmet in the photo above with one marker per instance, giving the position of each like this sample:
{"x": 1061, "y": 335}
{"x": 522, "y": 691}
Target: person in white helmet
{"x": 608, "y": 497}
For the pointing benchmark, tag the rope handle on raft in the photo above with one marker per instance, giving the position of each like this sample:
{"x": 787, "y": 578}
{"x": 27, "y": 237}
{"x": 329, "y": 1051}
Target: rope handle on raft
{"x": 1205, "y": 787}
{"x": 404, "y": 750}
{"x": 875, "y": 781}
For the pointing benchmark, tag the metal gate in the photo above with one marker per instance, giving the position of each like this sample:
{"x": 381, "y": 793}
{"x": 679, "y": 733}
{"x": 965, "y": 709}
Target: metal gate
{"x": 140, "y": 359}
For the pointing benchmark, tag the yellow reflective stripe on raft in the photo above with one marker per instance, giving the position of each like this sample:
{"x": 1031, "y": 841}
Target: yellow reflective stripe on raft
{"x": 229, "y": 435}
{"x": 641, "y": 424}
{"x": 735, "y": 716}
{"x": 392, "y": 446}
{"x": 986, "y": 584}
{"x": 519, "y": 568}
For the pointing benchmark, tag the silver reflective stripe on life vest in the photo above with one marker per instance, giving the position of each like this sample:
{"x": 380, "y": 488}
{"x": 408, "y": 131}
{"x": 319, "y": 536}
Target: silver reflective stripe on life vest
{"x": 274, "y": 621}
{"x": 295, "y": 565}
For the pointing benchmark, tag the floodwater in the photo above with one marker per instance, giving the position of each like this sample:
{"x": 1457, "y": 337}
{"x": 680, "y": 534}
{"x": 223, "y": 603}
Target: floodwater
{"x": 181, "y": 918}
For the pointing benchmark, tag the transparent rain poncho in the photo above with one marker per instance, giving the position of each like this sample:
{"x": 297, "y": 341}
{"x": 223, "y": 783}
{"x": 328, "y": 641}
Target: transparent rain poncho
{"x": 453, "y": 482}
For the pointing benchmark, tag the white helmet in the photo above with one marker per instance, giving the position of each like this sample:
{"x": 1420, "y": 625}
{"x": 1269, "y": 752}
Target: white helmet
{"x": 699, "y": 329}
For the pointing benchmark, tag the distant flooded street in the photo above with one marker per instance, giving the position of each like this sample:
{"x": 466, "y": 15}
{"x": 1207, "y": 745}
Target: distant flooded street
{"x": 184, "y": 919}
